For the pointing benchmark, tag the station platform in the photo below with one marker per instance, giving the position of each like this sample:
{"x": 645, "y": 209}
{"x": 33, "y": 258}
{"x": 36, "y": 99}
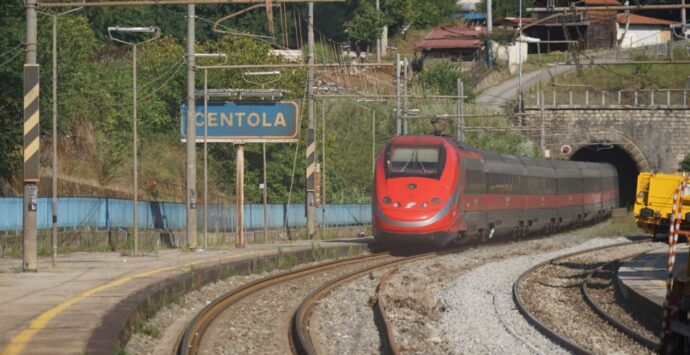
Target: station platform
{"x": 83, "y": 304}
{"x": 642, "y": 280}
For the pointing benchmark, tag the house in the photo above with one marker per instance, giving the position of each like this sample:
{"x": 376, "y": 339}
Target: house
{"x": 637, "y": 30}
{"x": 458, "y": 42}
{"x": 587, "y": 29}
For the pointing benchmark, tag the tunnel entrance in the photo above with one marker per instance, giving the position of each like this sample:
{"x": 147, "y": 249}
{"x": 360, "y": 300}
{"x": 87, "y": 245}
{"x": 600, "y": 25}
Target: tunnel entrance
{"x": 621, "y": 160}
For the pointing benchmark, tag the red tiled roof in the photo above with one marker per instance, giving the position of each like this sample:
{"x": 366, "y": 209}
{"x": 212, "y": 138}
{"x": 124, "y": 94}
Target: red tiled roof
{"x": 452, "y": 37}
{"x": 643, "y": 20}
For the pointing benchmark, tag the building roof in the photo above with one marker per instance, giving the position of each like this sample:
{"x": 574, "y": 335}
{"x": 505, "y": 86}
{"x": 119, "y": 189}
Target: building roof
{"x": 643, "y": 20}
{"x": 458, "y": 37}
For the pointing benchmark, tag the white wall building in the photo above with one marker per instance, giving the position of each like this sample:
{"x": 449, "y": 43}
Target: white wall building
{"x": 642, "y": 30}
{"x": 468, "y": 5}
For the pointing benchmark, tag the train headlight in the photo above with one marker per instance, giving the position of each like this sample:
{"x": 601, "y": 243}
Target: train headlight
{"x": 386, "y": 200}
{"x": 435, "y": 201}
{"x": 396, "y": 205}
{"x": 424, "y": 204}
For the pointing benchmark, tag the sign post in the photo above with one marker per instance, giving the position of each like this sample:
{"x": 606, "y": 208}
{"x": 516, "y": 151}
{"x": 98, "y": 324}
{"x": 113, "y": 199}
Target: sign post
{"x": 241, "y": 122}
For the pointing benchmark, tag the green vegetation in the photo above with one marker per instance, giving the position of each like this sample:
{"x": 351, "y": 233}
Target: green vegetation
{"x": 613, "y": 227}
{"x": 684, "y": 165}
{"x": 95, "y": 100}
{"x": 142, "y": 327}
{"x": 634, "y": 76}
{"x": 507, "y": 8}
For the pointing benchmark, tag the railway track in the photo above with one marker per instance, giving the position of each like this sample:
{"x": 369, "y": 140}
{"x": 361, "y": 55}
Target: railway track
{"x": 567, "y": 282}
{"x": 300, "y": 335}
{"x": 190, "y": 342}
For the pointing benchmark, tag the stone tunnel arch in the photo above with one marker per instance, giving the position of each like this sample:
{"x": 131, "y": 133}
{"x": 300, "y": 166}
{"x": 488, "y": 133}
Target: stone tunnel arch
{"x": 625, "y": 156}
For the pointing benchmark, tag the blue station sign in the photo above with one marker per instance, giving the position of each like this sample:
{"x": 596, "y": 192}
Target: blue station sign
{"x": 244, "y": 122}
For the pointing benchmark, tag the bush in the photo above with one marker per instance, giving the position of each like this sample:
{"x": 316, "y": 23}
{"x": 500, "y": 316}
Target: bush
{"x": 442, "y": 77}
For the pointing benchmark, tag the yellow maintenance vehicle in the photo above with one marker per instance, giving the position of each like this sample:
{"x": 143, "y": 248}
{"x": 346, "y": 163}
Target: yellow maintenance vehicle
{"x": 654, "y": 202}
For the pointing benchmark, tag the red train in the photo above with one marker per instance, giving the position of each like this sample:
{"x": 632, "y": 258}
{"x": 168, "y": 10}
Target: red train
{"x": 430, "y": 189}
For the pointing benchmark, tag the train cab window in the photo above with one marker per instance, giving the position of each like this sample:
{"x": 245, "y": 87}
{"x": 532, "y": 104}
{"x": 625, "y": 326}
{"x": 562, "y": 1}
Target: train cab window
{"x": 422, "y": 161}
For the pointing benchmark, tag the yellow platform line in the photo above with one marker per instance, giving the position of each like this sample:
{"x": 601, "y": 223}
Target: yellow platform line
{"x": 19, "y": 341}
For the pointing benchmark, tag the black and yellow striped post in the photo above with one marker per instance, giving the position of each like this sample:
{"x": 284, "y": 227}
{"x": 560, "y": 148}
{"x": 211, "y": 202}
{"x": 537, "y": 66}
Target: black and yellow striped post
{"x": 31, "y": 164}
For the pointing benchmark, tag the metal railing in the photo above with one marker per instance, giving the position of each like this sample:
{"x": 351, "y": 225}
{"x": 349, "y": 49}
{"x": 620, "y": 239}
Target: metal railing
{"x": 599, "y": 99}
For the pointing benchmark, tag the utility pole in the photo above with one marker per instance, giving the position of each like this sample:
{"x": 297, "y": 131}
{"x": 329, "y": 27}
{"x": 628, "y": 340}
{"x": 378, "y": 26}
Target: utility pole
{"x": 263, "y": 150}
{"x": 311, "y": 144}
{"x": 398, "y": 124}
{"x": 683, "y": 18}
{"x": 53, "y": 202}
{"x": 489, "y": 29}
{"x": 191, "y": 133}
{"x": 519, "y": 93}
{"x": 378, "y": 39}
{"x": 405, "y": 82}
{"x": 542, "y": 135}
{"x": 460, "y": 123}
{"x": 31, "y": 141}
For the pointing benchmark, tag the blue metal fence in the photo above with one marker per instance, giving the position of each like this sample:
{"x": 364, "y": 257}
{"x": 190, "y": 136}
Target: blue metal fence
{"x": 95, "y": 212}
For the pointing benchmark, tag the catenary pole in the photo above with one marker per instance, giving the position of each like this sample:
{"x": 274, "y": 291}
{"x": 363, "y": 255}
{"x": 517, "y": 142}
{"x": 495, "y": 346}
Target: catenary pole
{"x": 191, "y": 133}
{"x": 54, "y": 179}
{"x": 311, "y": 144}
{"x": 31, "y": 141}
{"x": 460, "y": 128}
{"x": 323, "y": 167}
{"x": 489, "y": 29}
{"x": 404, "y": 83}
{"x": 134, "y": 153}
{"x": 398, "y": 124}
{"x": 206, "y": 159}
{"x": 263, "y": 155}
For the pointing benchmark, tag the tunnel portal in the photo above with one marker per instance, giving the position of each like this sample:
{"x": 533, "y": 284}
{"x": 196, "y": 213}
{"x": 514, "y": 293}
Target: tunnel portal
{"x": 625, "y": 165}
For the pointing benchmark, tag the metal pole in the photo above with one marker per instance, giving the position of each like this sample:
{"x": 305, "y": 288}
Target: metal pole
{"x": 378, "y": 38}
{"x": 405, "y": 123}
{"x": 191, "y": 133}
{"x": 373, "y": 142}
{"x": 489, "y": 29}
{"x": 239, "y": 183}
{"x": 520, "y": 108}
{"x": 31, "y": 141}
{"x": 206, "y": 159}
{"x": 55, "y": 138}
{"x": 398, "y": 124}
{"x": 460, "y": 123}
{"x": 134, "y": 153}
{"x": 263, "y": 147}
{"x": 542, "y": 138}
{"x": 323, "y": 167}
{"x": 311, "y": 144}
{"x": 683, "y": 20}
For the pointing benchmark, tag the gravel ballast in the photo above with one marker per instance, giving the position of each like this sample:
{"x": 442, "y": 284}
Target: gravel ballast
{"x": 459, "y": 303}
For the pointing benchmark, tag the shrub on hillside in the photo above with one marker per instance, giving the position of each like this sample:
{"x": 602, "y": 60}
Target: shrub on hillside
{"x": 441, "y": 78}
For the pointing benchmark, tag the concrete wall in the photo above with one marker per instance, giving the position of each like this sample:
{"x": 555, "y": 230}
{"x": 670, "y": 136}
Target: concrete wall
{"x": 656, "y": 137}
{"x": 510, "y": 55}
{"x": 639, "y": 36}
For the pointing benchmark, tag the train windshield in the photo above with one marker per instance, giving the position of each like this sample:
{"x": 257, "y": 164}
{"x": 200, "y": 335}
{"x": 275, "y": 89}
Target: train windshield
{"x": 423, "y": 161}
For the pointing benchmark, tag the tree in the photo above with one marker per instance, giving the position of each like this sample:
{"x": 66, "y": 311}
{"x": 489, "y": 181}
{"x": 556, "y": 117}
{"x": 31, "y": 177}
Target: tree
{"x": 364, "y": 27}
{"x": 684, "y": 165}
{"x": 507, "y": 8}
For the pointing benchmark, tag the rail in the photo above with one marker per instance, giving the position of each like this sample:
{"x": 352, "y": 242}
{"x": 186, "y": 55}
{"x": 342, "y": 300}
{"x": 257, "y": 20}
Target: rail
{"x": 550, "y": 333}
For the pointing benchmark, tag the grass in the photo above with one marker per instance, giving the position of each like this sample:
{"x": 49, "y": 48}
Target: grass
{"x": 143, "y": 327}
{"x": 633, "y": 76}
{"x": 624, "y": 226}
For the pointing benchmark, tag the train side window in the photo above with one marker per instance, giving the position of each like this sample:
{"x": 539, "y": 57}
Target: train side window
{"x": 475, "y": 182}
